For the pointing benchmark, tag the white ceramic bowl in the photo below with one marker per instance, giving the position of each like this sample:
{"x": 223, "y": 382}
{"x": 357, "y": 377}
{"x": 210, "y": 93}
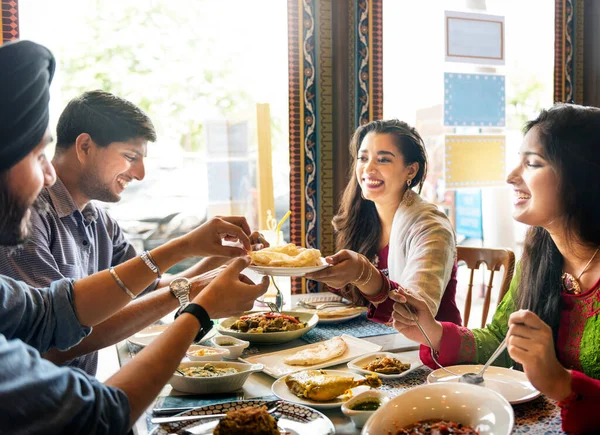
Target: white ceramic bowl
{"x": 211, "y": 353}
{"x": 235, "y": 350}
{"x": 478, "y": 407}
{"x": 270, "y": 337}
{"x": 359, "y": 418}
{"x": 218, "y": 384}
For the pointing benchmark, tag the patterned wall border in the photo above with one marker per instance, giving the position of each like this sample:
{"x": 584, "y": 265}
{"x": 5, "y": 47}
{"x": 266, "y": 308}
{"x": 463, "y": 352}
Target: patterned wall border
{"x": 568, "y": 51}
{"x": 369, "y": 60}
{"x": 10, "y": 20}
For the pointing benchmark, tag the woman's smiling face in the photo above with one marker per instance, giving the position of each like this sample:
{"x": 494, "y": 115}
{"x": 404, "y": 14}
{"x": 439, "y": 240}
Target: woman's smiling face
{"x": 381, "y": 170}
{"x": 536, "y": 185}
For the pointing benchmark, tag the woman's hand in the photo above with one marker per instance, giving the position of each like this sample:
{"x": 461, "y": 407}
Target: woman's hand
{"x": 531, "y": 344}
{"x": 404, "y": 322}
{"x": 346, "y": 267}
{"x": 230, "y": 292}
{"x": 207, "y": 239}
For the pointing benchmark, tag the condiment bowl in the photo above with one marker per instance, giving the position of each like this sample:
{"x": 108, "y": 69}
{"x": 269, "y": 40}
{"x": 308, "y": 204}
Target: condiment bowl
{"x": 212, "y": 385}
{"x": 235, "y": 346}
{"x": 480, "y": 408}
{"x": 210, "y": 353}
{"x": 358, "y": 417}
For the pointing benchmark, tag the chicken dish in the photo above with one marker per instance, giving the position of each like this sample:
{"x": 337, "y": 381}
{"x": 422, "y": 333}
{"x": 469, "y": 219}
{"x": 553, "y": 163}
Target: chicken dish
{"x": 267, "y": 322}
{"x": 251, "y": 420}
{"x": 319, "y": 386}
{"x": 387, "y": 366}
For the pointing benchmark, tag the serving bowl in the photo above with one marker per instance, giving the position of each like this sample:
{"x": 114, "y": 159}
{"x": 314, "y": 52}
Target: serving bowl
{"x": 217, "y": 384}
{"x": 359, "y": 418}
{"x": 480, "y": 408}
{"x": 236, "y": 347}
{"x": 311, "y": 321}
{"x": 211, "y": 353}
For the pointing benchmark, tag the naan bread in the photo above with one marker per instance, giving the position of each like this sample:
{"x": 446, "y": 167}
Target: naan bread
{"x": 288, "y": 255}
{"x": 317, "y": 354}
{"x": 333, "y": 313}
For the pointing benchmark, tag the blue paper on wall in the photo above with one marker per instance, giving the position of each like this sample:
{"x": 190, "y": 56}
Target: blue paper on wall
{"x": 476, "y": 100}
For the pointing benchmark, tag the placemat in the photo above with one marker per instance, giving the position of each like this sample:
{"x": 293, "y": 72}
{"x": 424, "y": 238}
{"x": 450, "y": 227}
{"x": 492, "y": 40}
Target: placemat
{"x": 360, "y": 327}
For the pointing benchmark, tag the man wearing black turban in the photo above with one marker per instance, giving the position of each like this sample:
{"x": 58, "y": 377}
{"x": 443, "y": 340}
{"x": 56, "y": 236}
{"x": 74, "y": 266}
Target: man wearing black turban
{"x": 38, "y": 396}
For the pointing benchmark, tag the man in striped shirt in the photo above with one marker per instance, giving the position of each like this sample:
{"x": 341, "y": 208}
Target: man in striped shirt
{"x": 101, "y": 145}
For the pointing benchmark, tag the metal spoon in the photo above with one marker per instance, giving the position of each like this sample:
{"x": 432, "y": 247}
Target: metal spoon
{"x": 477, "y": 378}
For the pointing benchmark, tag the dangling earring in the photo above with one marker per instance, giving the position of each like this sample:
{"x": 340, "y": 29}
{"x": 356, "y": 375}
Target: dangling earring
{"x": 407, "y": 198}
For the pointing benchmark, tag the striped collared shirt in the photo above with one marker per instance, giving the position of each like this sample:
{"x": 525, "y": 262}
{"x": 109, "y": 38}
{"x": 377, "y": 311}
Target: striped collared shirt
{"x": 67, "y": 243}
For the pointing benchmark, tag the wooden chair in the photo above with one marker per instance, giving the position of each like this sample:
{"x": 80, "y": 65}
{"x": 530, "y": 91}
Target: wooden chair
{"x": 494, "y": 259}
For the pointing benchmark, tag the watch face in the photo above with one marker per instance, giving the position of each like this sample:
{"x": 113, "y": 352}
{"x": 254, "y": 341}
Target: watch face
{"x": 180, "y": 286}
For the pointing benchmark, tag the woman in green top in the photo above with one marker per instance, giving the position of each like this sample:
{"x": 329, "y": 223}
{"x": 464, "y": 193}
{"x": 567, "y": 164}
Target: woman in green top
{"x": 551, "y": 313}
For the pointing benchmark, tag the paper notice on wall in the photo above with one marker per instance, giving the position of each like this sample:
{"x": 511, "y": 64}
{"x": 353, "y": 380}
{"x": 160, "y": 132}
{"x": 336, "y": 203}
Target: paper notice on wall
{"x": 475, "y": 161}
{"x": 474, "y": 38}
{"x": 476, "y": 100}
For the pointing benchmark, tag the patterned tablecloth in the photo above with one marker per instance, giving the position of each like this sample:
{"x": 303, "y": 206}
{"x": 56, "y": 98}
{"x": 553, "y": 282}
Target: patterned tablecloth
{"x": 538, "y": 417}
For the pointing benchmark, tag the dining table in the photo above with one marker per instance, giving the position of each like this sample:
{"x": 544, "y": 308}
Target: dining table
{"x": 539, "y": 416}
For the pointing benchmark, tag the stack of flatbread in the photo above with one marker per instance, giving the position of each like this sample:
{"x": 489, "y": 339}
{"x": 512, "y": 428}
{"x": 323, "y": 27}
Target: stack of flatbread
{"x": 288, "y": 255}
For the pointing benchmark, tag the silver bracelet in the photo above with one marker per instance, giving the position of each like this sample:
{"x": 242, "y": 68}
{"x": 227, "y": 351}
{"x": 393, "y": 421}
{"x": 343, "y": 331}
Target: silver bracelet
{"x": 149, "y": 261}
{"x": 120, "y": 283}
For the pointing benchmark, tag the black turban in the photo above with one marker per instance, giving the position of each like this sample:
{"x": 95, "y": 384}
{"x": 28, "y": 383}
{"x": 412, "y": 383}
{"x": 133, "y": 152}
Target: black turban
{"x": 26, "y": 70}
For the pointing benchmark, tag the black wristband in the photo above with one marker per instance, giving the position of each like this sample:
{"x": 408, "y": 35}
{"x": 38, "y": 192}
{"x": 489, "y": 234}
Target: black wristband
{"x": 200, "y": 313}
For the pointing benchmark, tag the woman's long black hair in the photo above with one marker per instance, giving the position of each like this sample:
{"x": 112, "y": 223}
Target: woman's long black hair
{"x": 570, "y": 139}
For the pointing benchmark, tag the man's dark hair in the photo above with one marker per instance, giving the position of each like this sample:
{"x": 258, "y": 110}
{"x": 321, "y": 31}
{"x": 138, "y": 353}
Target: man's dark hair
{"x": 105, "y": 117}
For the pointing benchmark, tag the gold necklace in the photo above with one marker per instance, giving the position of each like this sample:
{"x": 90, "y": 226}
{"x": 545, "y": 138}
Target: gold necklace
{"x": 570, "y": 284}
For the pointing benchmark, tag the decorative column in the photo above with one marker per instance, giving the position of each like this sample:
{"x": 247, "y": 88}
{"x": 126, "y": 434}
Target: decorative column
{"x": 318, "y": 144}
{"x": 568, "y": 51}
{"x": 10, "y": 20}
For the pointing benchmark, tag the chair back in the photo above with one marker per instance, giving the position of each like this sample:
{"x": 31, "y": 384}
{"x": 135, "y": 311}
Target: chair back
{"x": 494, "y": 259}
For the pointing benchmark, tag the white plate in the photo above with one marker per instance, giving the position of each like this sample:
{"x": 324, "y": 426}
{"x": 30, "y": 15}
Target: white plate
{"x": 329, "y": 320}
{"x": 269, "y": 337}
{"x": 513, "y": 385}
{"x": 357, "y": 364}
{"x": 288, "y": 271}
{"x": 281, "y": 390}
{"x": 274, "y": 365}
{"x": 293, "y": 419}
{"x": 147, "y": 335}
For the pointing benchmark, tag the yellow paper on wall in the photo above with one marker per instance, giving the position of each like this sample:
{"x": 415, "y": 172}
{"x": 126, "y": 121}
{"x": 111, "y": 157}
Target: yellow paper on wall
{"x": 475, "y": 161}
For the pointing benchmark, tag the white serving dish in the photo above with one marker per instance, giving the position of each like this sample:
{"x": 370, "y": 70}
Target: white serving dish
{"x": 288, "y": 271}
{"x": 513, "y": 385}
{"x": 281, "y": 390}
{"x": 147, "y": 335}
{"x": 357, "y": 364}
{"x": 218, "y": 384}
{"x": 214, "y": 354}
{"x": 481, "y": 408}
{"x": 359, "y": 418}
{"x": 274, "y": 365}
{"x": 269, "y": 337}
{"x": 235, "y": 350}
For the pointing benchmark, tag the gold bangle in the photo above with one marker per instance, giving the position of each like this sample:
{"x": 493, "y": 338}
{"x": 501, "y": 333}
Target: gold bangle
{"x": 121, "y": 284}
{"x": 369, "y": 276}
{"x": 362, "y": 272}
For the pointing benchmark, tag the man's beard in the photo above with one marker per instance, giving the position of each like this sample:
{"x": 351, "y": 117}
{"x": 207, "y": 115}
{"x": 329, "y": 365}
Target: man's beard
{"x": 13, "y": 231}
{"x": 94, "y": 188}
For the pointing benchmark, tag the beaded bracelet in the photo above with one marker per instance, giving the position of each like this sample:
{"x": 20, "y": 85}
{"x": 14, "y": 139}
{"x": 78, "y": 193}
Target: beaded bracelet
{"x": 121, "y": 284}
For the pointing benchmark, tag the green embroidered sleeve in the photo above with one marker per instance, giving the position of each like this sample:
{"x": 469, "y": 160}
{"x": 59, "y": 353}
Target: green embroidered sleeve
{"x": 489, "y": 338}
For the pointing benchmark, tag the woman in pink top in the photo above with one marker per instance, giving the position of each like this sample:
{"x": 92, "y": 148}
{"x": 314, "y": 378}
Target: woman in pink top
{"x": 387, "y": 236}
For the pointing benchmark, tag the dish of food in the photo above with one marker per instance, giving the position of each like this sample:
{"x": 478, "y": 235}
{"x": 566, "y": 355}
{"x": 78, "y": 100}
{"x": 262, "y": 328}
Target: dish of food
{"x": 258, "y": 323}
{"x": 322, "y": 388}
{"x": 274, "y": 362}
{"x": 318, "y": 353}
{"x": 294, "y": 331}
{"x": 437, "y": 427}
{"x": 207, "y": 371}
{"x": 288, "y": 255}
{"x": 360, "y": 407}
{"x": 332, "y": 315}
{"x": 292, "y": 419}
{"x": 387, "y": 365}
{"x": 147, "y": 335}
{"x": 513, "y": 385}
{"x": 212, "y": 378}
{"x": 254, "y": 420}
{"x": 371, "y": 404}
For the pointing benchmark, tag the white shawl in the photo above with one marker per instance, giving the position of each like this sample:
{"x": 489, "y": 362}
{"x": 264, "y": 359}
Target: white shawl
{"x": 422, "y": 250}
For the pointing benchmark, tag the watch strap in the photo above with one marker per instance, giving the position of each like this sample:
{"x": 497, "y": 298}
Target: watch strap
{"x": 200, "y": 313}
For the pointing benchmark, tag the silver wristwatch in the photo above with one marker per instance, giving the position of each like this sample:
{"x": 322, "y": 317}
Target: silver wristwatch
{"x": 180, "y": 287}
